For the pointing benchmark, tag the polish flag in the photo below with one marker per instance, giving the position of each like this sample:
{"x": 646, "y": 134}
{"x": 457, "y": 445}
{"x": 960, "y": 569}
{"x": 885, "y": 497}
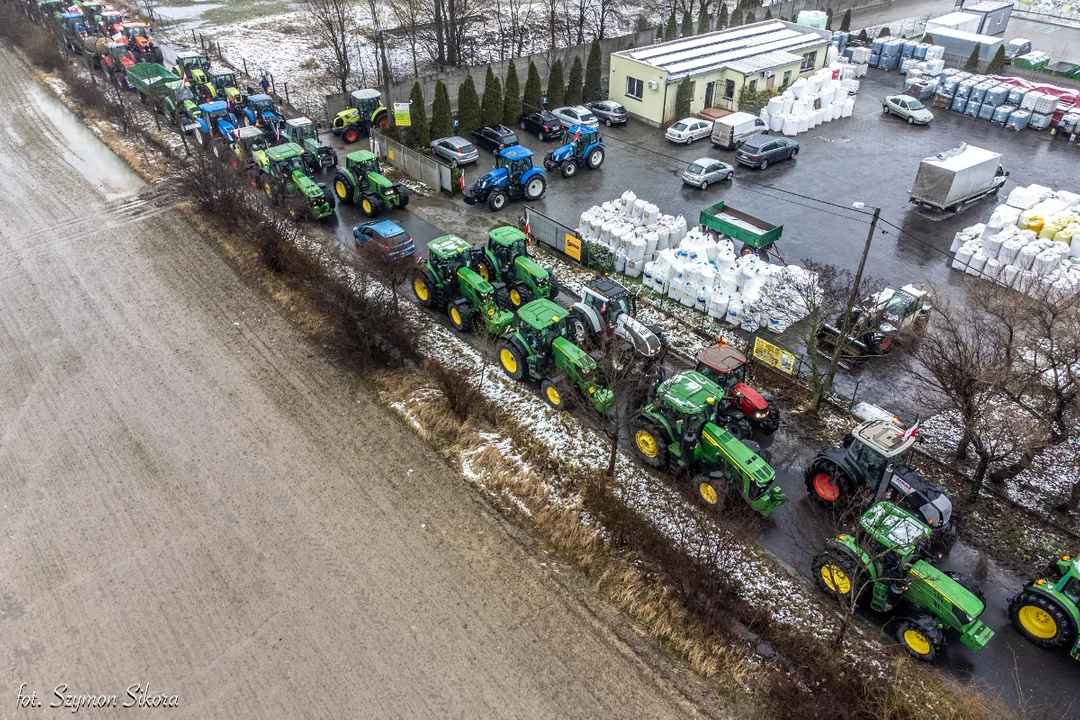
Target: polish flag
{"x": 910, "y": 432}
{"x": 528, "y": 230}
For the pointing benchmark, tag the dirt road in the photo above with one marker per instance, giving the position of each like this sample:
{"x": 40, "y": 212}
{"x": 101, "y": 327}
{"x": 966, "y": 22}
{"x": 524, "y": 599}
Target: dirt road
{"x": 193, "y": 498}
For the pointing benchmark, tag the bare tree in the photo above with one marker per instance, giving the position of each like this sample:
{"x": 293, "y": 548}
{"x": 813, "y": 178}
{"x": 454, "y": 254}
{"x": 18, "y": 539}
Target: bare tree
{"x": 331, "y": 22}
{"x": 408, "y": 14}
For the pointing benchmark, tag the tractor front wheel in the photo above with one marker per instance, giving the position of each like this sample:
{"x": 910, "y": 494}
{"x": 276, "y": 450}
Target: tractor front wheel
{"x": 1041, "y": 620}
{"x": 218, "y": 149}
{"x": 838, "y": 574}
{"x": 551, "y": 391}
{"x": 201, "y": 139}
{"x": 771, "y": 423}
{"x": 535, "y": 187}
{"x": 511, "y": 360}
{"x": 350, "y": 135}
{"x": 424, "y": 289}
{"x": 496, "y": 200}
{"x": 520, "y": 295}
{"x": 460, "y": 317}
{"x": 579, "y": 326}
{"x": 921, "y": 638}
{"x": 650, "y": 444}
{"x": 371, "y": 205}
{"x": 569, "y": 169}
{"x": 825, "y": 481}
{"x": 711, "y": 491}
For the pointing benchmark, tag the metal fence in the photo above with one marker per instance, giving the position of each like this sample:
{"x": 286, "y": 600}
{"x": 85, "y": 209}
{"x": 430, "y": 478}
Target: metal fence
{"x": 416, "y": 165}
{"x": 566, "y": 240}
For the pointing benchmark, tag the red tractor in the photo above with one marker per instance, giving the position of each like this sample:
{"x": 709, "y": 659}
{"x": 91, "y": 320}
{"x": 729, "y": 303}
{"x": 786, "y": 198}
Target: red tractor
{"x": 726, "y": 366}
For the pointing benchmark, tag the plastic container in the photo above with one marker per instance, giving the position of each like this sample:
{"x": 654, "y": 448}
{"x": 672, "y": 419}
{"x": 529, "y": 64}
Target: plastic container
{"x": 1018, "y": 120}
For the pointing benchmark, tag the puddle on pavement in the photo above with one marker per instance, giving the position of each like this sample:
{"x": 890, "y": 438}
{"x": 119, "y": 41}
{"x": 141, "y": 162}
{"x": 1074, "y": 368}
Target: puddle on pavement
{"x": 84, "y": 151}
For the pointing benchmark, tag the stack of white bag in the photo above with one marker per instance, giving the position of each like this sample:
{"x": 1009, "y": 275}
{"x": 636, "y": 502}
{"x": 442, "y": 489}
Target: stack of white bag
{"x": 809, "y": 102}
{"x": 1027, "y": 243}
{"x": 632, "y": 229}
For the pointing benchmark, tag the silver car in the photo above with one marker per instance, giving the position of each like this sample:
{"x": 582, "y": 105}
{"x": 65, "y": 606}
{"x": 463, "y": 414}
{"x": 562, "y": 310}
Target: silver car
{"x": 609, "y": 112}
{"x": 576, "y": 115}
{"x": 703, "y": 171}
{"x": 455, "y": 149}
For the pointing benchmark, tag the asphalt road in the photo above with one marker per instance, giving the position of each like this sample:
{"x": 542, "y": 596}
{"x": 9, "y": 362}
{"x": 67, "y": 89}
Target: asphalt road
{"x": 196, "y": 499}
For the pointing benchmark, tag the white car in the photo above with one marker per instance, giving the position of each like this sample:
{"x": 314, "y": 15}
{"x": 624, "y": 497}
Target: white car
{"x": 688, "y": 130}
{"x": 572, "y": 115}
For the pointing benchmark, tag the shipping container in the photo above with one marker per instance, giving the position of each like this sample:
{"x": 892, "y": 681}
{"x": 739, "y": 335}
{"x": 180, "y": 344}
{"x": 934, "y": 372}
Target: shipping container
{"x": 960, "y": 44}
{"x": 995, "y": 15}
{"x": 962, "y": 21}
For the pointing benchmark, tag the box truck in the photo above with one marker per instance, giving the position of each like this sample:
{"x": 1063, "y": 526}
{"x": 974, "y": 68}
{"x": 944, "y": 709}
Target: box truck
{"x": 954, "y": 179}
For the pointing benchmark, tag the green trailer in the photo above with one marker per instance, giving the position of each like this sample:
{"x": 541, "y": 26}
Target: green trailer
{"x": 150, "y": 80}
{"x": 756, "y": 235}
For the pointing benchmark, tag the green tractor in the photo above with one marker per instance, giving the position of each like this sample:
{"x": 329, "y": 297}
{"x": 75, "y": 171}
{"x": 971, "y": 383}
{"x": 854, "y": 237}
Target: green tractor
{"x": 447, "y": 281}
{"x": 538, "y": 348}
{"x": 361, "y": 181}
{"x": 180, "y": 106}
{"x": 364, "y": 112}
{"x": 284, "y": 180}
{"x": 222, "y": 86}
{"x": 193, "y": 65}
{"x": 687, "y": 427}
{"x": 1047, "y": 612}
{"x": 249, "y": 152}
{"x": 505, "y": 259}
{"x": 888, "y": 557}
{"x": 316, "y": 155}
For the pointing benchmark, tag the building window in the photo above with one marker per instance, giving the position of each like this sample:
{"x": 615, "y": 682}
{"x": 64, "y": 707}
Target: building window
{"x": 693, "y": 88}
{"x": 729, "y": 90}
{"x": 753, "y": 86}
{"x": 787, "y": 78}
{"x": 809, "y": 60}
{"x": 634, "y": 88}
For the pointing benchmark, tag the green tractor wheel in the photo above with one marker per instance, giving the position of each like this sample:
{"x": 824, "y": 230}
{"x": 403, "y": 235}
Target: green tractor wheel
{"x": 711, "y": 491}
{"x": 267, "y": 183}
{"x": 460, "y": 316}
{"x": 1041, "y": 621}
{"x": 552, "y": 392}
{"x": 484, "y": 270}
{"x": 403, "y": 195}
{"x": 650, "y": 443}
{"x": 424, "y": 289}
{"x": 921, "y": 638}
{"x": 512, "y": 361}
{"x": 838, "y": 574}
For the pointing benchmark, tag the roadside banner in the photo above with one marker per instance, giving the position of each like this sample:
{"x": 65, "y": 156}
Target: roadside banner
{"x": 402, "y": 115}
{"x": 774, "y": 356}
{"x": 573, "y": 246}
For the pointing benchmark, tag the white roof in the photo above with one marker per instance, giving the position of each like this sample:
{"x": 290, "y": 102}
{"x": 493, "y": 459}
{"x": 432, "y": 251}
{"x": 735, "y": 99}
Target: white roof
{"x": 989, "y": 6}
{"x": 728, "y": 48}
{"x": 968, "y": 157}
{"x": 971, "y": 37}
{"x": 954, "y": 19}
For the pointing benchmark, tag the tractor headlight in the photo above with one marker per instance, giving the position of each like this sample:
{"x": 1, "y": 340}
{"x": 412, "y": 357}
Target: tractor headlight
{"x": 760, "y": 414}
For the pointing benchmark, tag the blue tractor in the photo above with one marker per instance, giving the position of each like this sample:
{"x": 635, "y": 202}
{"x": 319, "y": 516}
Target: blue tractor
{"x": 216, "y": 128}
{"x": 73, "y": 29}
{"x": 259, "y": 111}
{"x": 582, "y": 145}
{"x": 514, "y": 178}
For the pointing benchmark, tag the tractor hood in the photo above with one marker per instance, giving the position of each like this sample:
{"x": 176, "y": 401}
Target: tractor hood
{"x": 198, "y": 76}
{"x": 471, "y": 278}
{"x": 492, "y": 178}
{"x": 560, "y": 154}
{"x": 721, "y": 448}
{"x": 539, "y": 274}
{"x": 644, "y": 340}
{"x": 380, "y": 181}
{"x": 957, "y": 599}
{"x": 307, "y": 186}
{"x": 749, "y": 399}
{"x": 348, "y": 116}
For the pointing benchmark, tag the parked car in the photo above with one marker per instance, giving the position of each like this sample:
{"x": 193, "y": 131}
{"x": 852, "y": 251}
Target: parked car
{"x": 388, "y": 234}
{"x": 908, "y": 108}
{"x": 762, "y": 151}
{"x": 688, "y": 130}
{"x": 572, "y": 115}
{"x": 609, "y": 112}
{"x": 455, "y": 149}
{"x": 703, "y": 171}
{"x": 543, "y": 124}
{"x": 1015, "y": 48}
{"x": 495, "y": 138}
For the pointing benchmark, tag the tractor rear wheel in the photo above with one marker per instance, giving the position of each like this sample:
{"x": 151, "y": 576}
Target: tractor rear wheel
{"x": 921, "y": 637}
{"x": 826, "y": 482}
{"x": 535, "y": 187}
{"x": 350, "y": 135}
{"x": 218, "y": 149}
{"x": 371, "y": 205}
{"x": 650, "y": 443}
{"x": 596, "y": 158}
{"x": 424, "y": 289}
{"x": 569, "y": 169}
{"x": 511, "y": 360}
{"x": 496, "y": 200}
{"x": 201, "y": 138}
{"x": 1041, "y": 620}
{"x": 344, "y": 187}
{"x": 838, "y": 574}
{"x": 552, "y": 393}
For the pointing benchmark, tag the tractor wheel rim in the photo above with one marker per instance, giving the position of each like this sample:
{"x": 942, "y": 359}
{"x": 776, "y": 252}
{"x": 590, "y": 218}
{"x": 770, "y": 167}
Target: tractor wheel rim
{"x": 826, "y": 488}
{"x": 367, "y": 206}
{"x": 292, "y": 212}
{"x": 269, "y": 190}
{"x": 1038, "y": 622}
{"x": 917, "y": 642}
{"x": 836, "y": 579}
{"x": 553, "y": 396}
{"x": 339, "y": 188}
{"x": 534, "y": 187}
{"x": 646, "y": 443}
{"x": 515, "y": 297}
{"x": 708, "y": 493}
{"x": 509, "y": 362}
{"x": 420, "y": 288}
{"x": 455, "y": 316}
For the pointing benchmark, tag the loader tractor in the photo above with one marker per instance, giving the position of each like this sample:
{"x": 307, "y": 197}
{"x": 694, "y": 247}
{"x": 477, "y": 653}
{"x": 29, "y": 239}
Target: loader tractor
{"x": 361, "y": 181}
{"x": 137, "y": 35}
{"x": 249, "y": 152}
{"x": 881, "y": 320}
{"x": 726, "y": 367}
{"x": 606, "y": 306}
{"x": 538, "y": 349}
{"x": 316, "y": 155}
{"x": 365, "y": 111}
{"x": 583, "y": 148}
{"x": 447, "y": 281}
{"x": 222, "y": 86}
{"x": 505, "y": 259}
{"x": 886, "y": 559}
{"x": 284, "y": 180}
{"x": 875, "y": 464}
{"x": 689, "y": 430}
{"x": 1047, "y": 611}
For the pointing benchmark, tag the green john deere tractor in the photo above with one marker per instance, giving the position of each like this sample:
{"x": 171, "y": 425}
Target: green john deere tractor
{"x": 505, "y": 259}
{"x": 1047, "y": 611}
{"x": 365, "y": 111}
{"x": 686, "y": 428}
{"x": 284, "y": 180}
{"x": 888, "y": 557}
{"x": 538, "y": 348}
{"x": 447, "y": 281}
{"x": 361, "y": 181}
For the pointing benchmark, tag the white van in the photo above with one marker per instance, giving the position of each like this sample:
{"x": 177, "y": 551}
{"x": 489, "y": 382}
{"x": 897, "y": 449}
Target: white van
{"x": 731, "y": 131}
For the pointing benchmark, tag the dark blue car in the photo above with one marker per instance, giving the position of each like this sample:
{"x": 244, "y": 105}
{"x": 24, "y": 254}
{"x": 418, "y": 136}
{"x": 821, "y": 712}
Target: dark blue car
{"x": 397, "y": 243}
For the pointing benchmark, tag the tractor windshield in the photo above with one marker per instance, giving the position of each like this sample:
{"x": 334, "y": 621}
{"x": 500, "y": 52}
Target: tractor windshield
{"x": 305, "y": 132}
{"x": 136, "y": 32}
{"x": 899, "y": 306}
{"x": 226, "y": 80}
{"x": 184, "y": 93}
{"x": 1072, "y": 589}
{"x": 265, "y": 106}
{"x": 735, "y": 376}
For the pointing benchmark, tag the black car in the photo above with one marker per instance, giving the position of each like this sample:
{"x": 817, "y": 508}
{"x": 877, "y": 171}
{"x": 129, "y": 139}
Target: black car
{"x": 764, "y": 150}
{"x": 543, "y": 124}
{"x": 494, "y": 138}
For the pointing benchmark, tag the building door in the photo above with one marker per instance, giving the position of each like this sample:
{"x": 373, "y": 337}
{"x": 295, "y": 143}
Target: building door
{"x": 709, "y": 93}
{"x": 769, "y": 82}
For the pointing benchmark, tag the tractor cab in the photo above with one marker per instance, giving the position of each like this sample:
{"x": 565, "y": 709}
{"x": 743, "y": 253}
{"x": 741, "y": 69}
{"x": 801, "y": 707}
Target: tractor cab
{"x": 516, "y": 161}
{"x": 301, "y": 130}
{"x": 507, "y": 244}
{"x": 365, "y": 102}
{"x": 284, "y": 161}
{"x": 726, "y": 366}
{"x": 609, "y": 298}
{"x": 447, "y": 255}
{"x": 261, "y": 103}
{"x": 111, "y": 22}
{"x": 251, "y": 138}
{"x": 217, "y": 110}
{"x": 73, "y": 24}
{"x": 192, "y": 65}
{"x": 181, "y": 95}
{"x": 223, "y": 85}
{"x": 362, "y": 163}
{"x": 606, "y": 304}
{"x": 540, "y": 324}
{"x": 120, "y": 56}
{"x": 903, "y": 306}
{"x": 364, "y": 111}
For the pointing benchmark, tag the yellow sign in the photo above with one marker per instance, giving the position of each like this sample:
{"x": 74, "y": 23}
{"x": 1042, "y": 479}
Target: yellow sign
{"x": 390, "y": 153}
{"x": 573, "y": 246}
{"x": 774, "y": 356}
{"x": 402, "y": 116}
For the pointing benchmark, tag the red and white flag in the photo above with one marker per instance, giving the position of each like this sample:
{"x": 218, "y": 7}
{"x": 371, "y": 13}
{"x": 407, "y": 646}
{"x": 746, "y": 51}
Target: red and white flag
{"x": 910, "y": 432}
